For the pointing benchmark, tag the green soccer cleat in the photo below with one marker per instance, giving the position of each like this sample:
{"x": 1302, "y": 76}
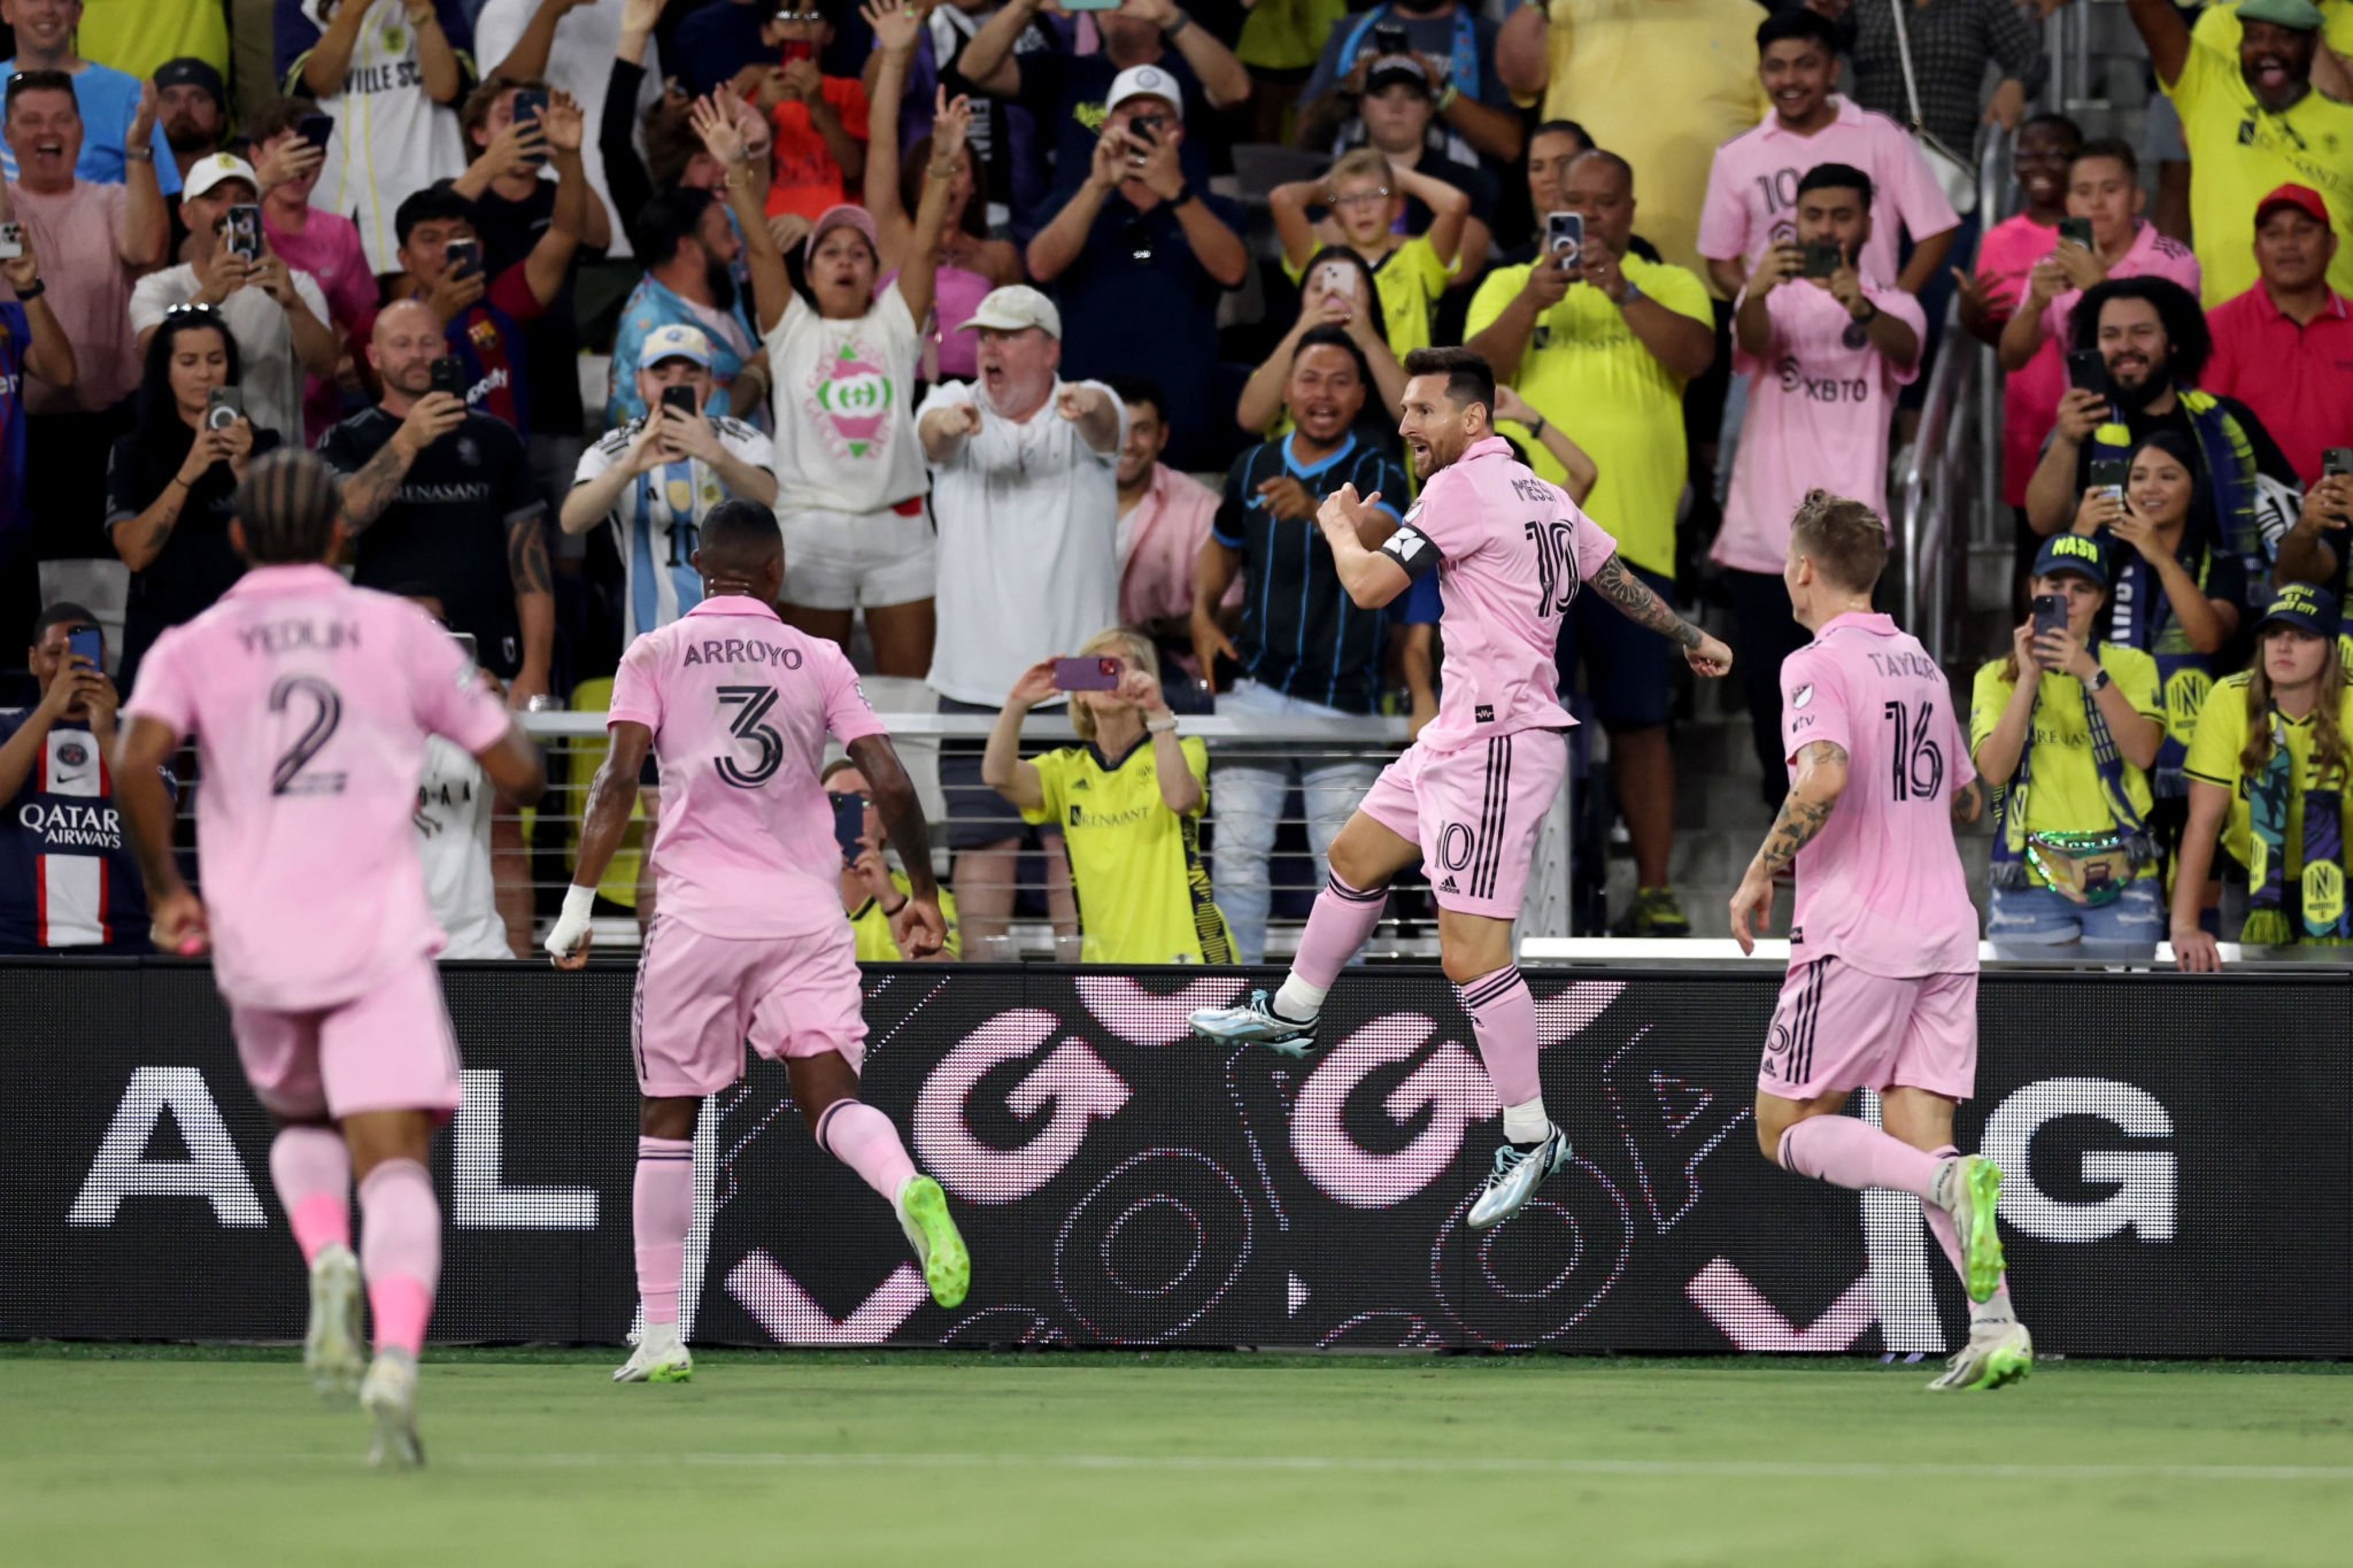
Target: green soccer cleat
{"x": 1976, "y": 1193}
{"x": 1655, "y": 912}
{"x": 923, "y": 1215}
{"x": 1996, "y": 1355}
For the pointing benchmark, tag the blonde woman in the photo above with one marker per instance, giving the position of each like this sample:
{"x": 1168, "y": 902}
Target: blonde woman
{"x": 2268, "y": 770}
{"x": 1128, "y": 800}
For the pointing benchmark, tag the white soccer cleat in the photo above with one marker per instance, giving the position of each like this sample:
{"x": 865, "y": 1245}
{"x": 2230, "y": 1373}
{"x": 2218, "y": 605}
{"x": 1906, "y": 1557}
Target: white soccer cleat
{"x": 663, "y": 1360}
{"x": 331, "y": 1350}
{"x": 1996, "y": 1355}
{"x": 389, "y": 1397}
{"x": 1515, "y": 1178}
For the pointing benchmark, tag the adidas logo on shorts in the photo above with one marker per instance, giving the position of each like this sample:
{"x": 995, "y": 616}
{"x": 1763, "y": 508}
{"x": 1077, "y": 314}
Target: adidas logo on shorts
{"x": 1447, "y": 886}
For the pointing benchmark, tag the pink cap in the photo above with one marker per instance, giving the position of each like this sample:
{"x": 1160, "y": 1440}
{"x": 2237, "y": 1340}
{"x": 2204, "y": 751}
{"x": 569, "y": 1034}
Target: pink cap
{"x": 847, "y": 215}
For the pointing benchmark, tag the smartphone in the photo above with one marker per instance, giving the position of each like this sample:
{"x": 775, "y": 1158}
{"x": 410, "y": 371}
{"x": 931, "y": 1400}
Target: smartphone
{"x": 1564, "y": 239}
{"x": 11, "y": 241}
{"x": 2109, "y": 476}
{"x": 472, "y": 649}
{"x": 2049, "y": 614}
{"x": 531, "y": 103}
{"x": 1145, "y": 131}
{"x": 86, "y": 642}
{"x": 241, "y": 231}
{"x": 463, "y": 258}
{"x": 1389, "y": 41}
{"x": 1090, "y": 4}
{"x": 316, "y": 128}
{"x": 449, "y": 376}
{"x": 223, "y": 406}
{"x": 1336, "y": 278}
{"x": 1823, "y": 258}
{"x": 2088, "y": 372}
{"x": 849, "y": 826}
{"x": 2337, "y": 460}
{"x": 1100, "y": 673}
{"x": 2076, "y": 229}
{"x": 680, "y": 398}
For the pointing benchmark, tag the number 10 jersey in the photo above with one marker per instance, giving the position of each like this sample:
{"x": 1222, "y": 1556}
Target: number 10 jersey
{"x": 740, "y": 705}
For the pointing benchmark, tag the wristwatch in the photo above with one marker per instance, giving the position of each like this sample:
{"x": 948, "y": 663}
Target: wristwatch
{"x": 1634, "y": 292}
{"x": 2099, "y": 681}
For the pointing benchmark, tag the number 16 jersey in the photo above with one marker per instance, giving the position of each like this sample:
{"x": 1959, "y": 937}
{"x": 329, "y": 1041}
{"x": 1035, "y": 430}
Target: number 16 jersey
{"x": 1881, "y": 887}
{"x": 740, "y": 705}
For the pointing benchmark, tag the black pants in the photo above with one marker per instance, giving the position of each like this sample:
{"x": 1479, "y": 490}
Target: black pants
{"x": 1763, "y": 633}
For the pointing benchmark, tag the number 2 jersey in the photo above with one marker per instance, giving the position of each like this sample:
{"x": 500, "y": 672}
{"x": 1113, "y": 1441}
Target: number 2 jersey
{"x": 1881, "y": 887}
{"x": 1510, "y": 550}
{"x": 310, "y": 702}
{"x": 740, "y": 705}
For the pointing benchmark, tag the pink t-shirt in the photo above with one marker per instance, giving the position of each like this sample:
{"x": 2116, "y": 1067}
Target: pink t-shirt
{"x": 75, "y": 234}
{"x": 956, "y": 294}
{"x": 740, "y": 705}
{"x": 1511, "y": 551}
{"x": 1880, "y": 885}
{"x": 1818, "y": 406}
{"x": 311, "y": 700}
{"x": 1752, "y": 189}
{"x": 2005, "y": 256}
{"x": 327, "y": 247}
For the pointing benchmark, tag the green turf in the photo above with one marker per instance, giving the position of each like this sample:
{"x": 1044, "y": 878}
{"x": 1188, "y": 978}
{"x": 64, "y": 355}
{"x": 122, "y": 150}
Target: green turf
{"x": 197, "y": 1458}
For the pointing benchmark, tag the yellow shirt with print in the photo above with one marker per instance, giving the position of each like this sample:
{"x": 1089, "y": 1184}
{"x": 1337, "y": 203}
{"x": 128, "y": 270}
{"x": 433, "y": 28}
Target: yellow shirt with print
{"x": 871, "y": 927}
{"x": 2064, "y": 794}
{"x": 2214, "y": 758}
{"x": 2238, "y": 155}
{"x": 1586, "y": 371}
{"x": 1144, "y": 891}
{"x": 1412, "y": 281}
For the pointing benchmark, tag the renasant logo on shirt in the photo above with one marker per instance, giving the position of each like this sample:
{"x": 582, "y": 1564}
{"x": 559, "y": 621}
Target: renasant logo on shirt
{"x": 850, "y": 401}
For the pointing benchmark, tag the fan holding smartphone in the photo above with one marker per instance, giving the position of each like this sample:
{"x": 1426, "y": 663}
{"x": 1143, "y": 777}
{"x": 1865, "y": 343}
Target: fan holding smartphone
{"x": 872, "y": 888}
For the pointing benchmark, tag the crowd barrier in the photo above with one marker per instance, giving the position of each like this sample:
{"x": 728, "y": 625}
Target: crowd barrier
{"x": 2177, "y": 1152}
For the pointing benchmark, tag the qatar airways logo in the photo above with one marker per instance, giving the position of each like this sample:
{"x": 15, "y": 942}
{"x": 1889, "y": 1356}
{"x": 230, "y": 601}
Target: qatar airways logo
{"x": 68, "y": 826}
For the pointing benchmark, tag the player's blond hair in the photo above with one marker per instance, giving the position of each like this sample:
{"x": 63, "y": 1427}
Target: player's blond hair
{"x": 1134, "y": 647}
{"x": 1844, "y": 540}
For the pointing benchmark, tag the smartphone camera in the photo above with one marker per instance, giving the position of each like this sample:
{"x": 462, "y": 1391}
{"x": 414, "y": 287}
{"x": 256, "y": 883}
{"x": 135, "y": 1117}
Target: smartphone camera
{"x": 241, "y": 231}
{"x": 1097, "y": 674}
{"x": 462, "y": 257}
{"x": 531, "y": 106}
{"x": 11, "y": 241}
{"x": 1564, "y": 239}
{"x": 223, "y": 406}
{"x": 2076, "y": 231}
{"x": 449, "y": 376}
{"x": 2050, "y": 615}
{"x": 86, "y": 642}
{"x": 849, "y": 826}
{"x": 1388, "y": 41}
{"x": 2337, "y": 460}
{"x": 2109, "y": 476}
{"x": 316, "y": 128}
{"x": 680, "y": 398}
{"x": 1823, "y": 260}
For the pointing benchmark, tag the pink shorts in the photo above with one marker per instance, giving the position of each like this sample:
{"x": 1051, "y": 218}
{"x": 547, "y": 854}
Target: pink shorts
{"x": 1839, "y": 1027}
{"x": 699, "y": 997}
{"x": 1474, "y": 811}
{"x": 391, "y": 1049}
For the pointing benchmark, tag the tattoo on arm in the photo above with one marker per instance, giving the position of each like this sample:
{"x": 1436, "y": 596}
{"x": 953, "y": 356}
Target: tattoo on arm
{"x": 368, "y": 493}
{"x": 527, "y": 555}
{"x": 1638, "y": 605}
{"x": 1800, "y": 819}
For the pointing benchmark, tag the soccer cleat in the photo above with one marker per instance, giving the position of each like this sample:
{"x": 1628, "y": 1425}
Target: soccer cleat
{"x": 1976, "y": 1194}
{"x": 1517, "y": 1174}
{"x": 1996, "y": 1355}
{"x": 939, "y": 1245}
{"x": 667, "y": 1362}
{"x": 331, "y": 1350}
{"x": 1256, "y": 1023}
{"x": 389, "y": 1397}
{"x": 1654, "y": 912}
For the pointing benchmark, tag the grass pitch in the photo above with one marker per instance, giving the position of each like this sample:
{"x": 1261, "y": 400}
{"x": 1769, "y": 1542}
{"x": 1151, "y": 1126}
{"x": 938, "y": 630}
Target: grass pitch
{"x": 164, "y": 1457}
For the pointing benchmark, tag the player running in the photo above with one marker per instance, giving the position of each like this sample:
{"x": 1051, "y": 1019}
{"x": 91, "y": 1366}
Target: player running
{"x": 311, "y": 702}
{"x": 1882, "y": 991}
{"x": 748, "y": 937}
{"x": 1466, "y": 799}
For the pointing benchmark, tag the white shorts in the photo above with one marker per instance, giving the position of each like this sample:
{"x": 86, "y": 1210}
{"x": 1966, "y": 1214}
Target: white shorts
{"x": 841, "y": 559}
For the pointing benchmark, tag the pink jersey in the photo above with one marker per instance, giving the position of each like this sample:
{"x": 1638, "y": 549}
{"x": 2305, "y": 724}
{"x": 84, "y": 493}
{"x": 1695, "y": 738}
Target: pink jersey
{"x": 740, "y": 705}
{"x": 1818, "y": 405}
{"x": 311, "y": 700}
{"x": 1880, "y": 885}
{"x": 1752, "y": 188}
{"x": 1510, "y": 552}
{"x": 2030, "y": 398}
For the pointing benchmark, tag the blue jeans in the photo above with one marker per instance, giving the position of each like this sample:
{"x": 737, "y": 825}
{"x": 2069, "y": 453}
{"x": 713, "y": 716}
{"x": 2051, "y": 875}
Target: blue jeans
{"x": 1246, "y": 794}
{"x": 2035, "y": 923}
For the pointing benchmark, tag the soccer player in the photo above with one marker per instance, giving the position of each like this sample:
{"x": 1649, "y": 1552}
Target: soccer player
{"x": 1882, "y": 980}
{"x": 311, "y": 702}
{"x": 1467, "y": 798}
{"x": 748, "y": 937}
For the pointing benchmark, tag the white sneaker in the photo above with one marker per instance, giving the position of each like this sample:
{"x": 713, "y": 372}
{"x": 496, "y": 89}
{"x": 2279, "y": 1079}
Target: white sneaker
{"x": 657, "y": 1359}
{"x": 1996, "y": 1355}
{"x": 389, "y": 1397}
{"x": 331, "y": 1350}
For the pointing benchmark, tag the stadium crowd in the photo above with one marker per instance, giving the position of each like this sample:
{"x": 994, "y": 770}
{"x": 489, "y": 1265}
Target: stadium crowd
{"x": 1044, "y": 328}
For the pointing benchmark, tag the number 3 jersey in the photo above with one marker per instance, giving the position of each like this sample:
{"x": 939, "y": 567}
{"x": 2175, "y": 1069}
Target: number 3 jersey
{"x": 740, "y": 705}
{"x": 1880, "y": 885}
{"x": 1510, "y": 552}
{"x": 310, "y": 702}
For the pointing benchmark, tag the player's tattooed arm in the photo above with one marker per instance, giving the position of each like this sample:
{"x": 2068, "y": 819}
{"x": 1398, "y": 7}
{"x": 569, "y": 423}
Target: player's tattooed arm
{"x": 1969, "y": 804}
{"x": 1813, "y": 795}
{"x": 1638, "y": 605}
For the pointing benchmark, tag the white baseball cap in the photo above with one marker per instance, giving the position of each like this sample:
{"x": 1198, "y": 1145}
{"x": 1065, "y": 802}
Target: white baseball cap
{"x": 675, "y": 341}
{"x": 212, "y": 170}
{"x": 1146, "y": 81}
{"x": 1013, "y": 308}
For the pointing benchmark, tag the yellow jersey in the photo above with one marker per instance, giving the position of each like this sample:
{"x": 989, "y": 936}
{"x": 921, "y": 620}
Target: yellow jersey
{"x": 871, "y": 927}
{"x": 1144, "y": 892}
{"x": 2214, "y": 759}
{"x": 2063, "y": 792}
{"x": 1412, "y": 281}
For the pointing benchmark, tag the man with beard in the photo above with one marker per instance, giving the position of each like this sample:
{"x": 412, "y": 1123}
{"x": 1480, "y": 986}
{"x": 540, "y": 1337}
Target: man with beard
{"x": 2285, "y": 346}
{"x": 109, "y": 100}
{"x": 690, "y": 250}
{"x": 1305, "y": 650}
{"x": 2253, "y": 123}
{"x": 2155, "y": 342}
{"x": 1024, "y": 486}
{"x": 192, "y": 108}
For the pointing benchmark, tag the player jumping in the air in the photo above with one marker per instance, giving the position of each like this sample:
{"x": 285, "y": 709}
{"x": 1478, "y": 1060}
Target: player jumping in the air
{"x": 748, "y": 938}
{"x": 310, "y": 702}
{"x": 1882, "y": 991}
{"x": 1466, "y": 799}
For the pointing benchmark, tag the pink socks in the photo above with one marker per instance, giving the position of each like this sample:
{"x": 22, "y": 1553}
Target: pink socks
{"x": 312, "y": 1173}
{"x": 862, "y": 1138}
{"x": 1846, "y": 1153}
{"x": 400, "y": 1251}
{"x": 1336, "y": 927}
{"x": 1504, "y": 1021}
{"x": 661, "y": 1212}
